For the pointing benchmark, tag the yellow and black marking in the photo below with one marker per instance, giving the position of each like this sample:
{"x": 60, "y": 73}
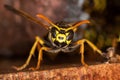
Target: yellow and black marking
{"x": 60, "y": 36}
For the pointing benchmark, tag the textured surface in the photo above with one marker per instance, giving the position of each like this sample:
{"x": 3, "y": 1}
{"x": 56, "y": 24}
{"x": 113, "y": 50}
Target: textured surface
{"x": 93, "y": 72}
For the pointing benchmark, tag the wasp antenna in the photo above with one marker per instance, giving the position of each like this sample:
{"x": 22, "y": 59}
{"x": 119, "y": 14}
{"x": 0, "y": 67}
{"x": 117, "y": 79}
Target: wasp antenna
{"x": 24, "y": 14}
{"x": 79, "y": 23}
{"x": 46, "y": 19}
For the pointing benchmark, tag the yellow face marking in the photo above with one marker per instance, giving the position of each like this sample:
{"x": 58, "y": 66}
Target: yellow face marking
{"x": 61, "y": 38}
{"x": 57, "y": 32}
{"x": 53, "y": 39}
{"x": 67, "y": 34}
{"x": 68, "y": 42}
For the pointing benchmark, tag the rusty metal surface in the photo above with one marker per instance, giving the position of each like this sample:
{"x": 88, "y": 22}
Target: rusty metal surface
{"x": 93, "y": 72}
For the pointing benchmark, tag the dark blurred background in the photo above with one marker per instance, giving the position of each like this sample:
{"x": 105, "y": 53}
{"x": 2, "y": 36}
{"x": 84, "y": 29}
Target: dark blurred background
{"x": 17, "y": 34}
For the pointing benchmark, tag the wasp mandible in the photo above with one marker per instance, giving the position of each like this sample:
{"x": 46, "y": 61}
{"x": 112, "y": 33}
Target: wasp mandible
{"x": 60, "y": 38}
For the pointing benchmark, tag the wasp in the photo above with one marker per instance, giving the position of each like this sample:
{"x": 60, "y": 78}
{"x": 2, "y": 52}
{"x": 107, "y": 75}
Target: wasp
{"x": 60, "y": 38}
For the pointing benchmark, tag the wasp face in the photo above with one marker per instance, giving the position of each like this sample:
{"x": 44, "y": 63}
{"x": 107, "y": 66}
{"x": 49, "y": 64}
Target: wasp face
{"x": 61, "y": 36}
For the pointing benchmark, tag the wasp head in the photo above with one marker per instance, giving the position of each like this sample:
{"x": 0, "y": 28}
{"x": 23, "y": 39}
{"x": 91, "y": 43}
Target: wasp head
{"x": 61, "y": 34}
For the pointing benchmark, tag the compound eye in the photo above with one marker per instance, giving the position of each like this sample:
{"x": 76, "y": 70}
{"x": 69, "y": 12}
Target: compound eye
{"x": 54, "y": 32}
{"x": 69, "y": 35}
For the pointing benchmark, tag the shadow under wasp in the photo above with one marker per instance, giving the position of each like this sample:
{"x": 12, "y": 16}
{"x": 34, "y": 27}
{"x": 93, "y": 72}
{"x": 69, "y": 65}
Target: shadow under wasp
{"x": 60, "y": 38}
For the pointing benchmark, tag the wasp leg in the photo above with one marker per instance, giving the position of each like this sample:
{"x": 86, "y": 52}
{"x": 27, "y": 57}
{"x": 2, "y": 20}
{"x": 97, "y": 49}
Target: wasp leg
{"x": 39, "y": 58}
{"x": 40, "y": 49}
{"x": 81, "y": 42}
{"x": 38, "y": 40}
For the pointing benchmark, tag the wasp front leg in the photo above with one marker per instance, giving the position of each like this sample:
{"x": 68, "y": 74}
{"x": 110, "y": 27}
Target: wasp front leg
{"x": 81, "y": 43}
{"x": 39, "y": 58}
{"x": 38, "y": 44}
